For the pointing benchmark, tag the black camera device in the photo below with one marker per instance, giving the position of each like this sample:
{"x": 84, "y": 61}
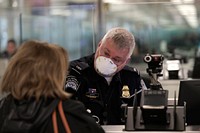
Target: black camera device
{"x": 155, "y": 65}
{"x": 154, "y": 100}
{"x": 155, "y": 62}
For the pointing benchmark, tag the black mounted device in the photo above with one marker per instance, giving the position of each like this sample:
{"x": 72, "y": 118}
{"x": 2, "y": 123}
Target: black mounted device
{"x": 154, "y": 114}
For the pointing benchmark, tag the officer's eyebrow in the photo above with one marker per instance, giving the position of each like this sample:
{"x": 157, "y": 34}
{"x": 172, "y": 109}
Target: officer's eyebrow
{"x": 116, "y": 57}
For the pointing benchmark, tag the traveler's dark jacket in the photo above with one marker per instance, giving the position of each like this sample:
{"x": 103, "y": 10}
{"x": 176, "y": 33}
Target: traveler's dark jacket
{"x": 102, "y": 99}
{"x": 29, "y": 116}
{"x": 6, "y": 55}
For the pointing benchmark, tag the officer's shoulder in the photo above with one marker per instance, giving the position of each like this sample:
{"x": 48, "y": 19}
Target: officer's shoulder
{"x": 79, "y": 65}
{"x": 131, "y": 70}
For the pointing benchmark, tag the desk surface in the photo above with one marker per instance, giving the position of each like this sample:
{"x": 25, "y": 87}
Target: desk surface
{"x": 119, "y": 129}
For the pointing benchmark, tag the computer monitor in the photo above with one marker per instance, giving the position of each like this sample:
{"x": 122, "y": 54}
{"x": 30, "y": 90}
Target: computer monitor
{"x": 196, "y": 68}
{"x": 189, "y": 92}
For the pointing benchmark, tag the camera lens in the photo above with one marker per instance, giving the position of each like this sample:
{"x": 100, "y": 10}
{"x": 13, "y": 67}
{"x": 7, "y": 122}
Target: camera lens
{"x": 147, "y": 58}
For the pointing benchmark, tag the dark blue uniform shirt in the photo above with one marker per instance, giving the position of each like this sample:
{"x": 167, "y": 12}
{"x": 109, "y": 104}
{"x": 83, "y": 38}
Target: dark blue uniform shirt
{"x": 103, "y": 100}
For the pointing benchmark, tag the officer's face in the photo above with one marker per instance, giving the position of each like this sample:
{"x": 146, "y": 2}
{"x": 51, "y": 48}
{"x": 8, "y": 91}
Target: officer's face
{"x": 120, "y": 56}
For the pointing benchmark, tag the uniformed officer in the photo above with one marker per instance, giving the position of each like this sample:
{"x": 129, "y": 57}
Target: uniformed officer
{"x": 103, "y": 81}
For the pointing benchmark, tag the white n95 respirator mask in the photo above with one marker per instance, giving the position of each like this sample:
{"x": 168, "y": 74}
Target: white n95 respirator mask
{"x": 105, "y": 66}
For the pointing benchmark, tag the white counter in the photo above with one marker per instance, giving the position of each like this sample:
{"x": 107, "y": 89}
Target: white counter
{"x": 120, "y": 129}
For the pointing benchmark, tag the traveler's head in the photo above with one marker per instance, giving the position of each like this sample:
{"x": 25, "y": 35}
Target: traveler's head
{"x": 117, "y": 46}
{"x": 38, "y": 69}
{"x": 11, "y": 47}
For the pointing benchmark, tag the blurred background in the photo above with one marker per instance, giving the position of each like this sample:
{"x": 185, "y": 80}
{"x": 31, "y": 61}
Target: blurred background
{"x": 167, "y": 27}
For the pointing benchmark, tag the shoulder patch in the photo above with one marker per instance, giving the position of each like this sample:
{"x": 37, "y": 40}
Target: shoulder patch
{"x": 82, "y": 65}
{"x": 78, "y": 66}
{"x": 72, "y": 83}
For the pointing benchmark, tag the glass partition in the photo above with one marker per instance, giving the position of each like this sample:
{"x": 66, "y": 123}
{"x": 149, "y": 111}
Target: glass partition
{"x": 9, "y": 26}
{"x": 71, "y": 27}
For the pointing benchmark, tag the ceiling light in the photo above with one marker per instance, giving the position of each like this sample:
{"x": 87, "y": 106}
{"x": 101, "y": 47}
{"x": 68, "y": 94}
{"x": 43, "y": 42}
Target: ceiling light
{"x": 189, "y": 13}
{"x": 60, "y": 12}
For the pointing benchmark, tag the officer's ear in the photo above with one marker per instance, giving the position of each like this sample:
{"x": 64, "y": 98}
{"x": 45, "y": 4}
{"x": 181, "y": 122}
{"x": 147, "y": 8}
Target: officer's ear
{"x": 99, "y": 43}
{"x": 128, "y": 60}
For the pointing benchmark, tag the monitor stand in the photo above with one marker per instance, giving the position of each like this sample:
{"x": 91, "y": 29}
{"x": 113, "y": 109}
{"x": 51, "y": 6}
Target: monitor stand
{"x": 176, "y": 120}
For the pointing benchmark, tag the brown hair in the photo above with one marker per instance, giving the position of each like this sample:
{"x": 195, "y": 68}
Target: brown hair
{"x": 37, "y": 69}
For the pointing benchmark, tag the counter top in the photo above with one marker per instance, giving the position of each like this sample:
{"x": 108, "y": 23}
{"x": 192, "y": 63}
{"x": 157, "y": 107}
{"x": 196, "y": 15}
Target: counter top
{"x": 120, "y": 129}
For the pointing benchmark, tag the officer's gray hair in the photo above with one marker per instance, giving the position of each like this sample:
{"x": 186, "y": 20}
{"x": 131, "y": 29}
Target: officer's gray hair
{"x": 121, "y": 38}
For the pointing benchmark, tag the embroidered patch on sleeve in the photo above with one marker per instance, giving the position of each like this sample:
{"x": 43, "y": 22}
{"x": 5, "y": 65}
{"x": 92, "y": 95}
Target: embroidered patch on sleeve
{"x": 72, "y": 83}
